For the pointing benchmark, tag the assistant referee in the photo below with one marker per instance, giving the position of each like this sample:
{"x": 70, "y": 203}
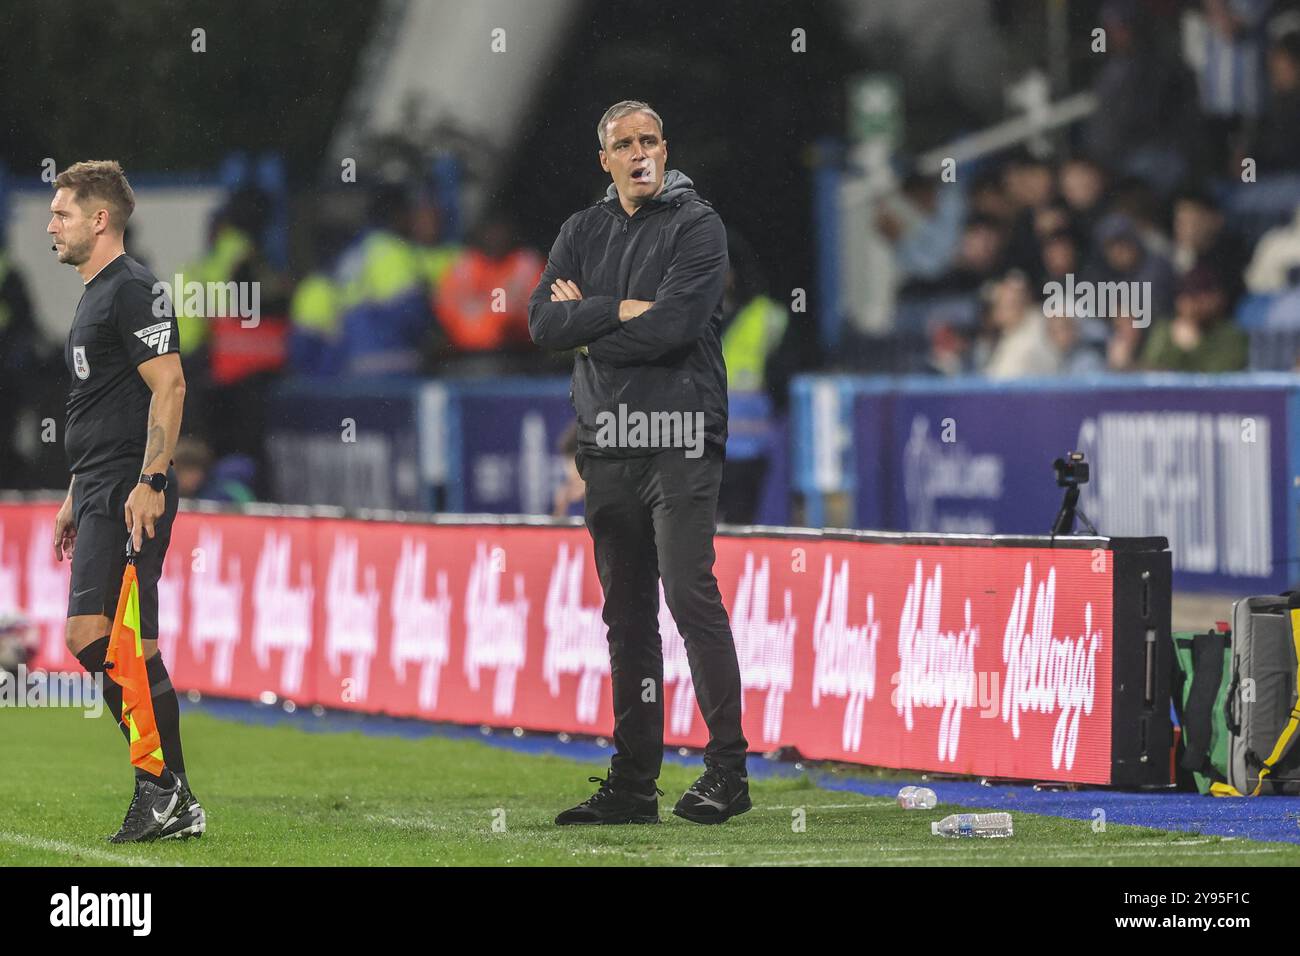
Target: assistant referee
{"x": 635, "y": 283}
{"x": 123, "y": 420}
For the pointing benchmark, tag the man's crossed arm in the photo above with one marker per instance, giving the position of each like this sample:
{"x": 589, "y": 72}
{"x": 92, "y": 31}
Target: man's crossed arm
{"x": 633, "y": 331}
{"x": 569, "y": 321}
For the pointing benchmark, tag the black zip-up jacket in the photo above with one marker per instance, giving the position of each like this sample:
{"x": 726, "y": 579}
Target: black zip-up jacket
{"x": 668, "y": 359}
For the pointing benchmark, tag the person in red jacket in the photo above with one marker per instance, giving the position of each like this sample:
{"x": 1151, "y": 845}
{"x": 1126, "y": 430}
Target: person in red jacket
{"x": 482, "y": 302}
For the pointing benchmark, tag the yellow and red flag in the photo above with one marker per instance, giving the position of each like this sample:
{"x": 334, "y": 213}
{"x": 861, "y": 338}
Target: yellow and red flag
{"x": 126, "y": 665}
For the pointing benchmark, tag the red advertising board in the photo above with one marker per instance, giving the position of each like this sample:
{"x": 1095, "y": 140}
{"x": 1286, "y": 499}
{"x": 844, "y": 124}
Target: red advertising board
{"x": 977, "y": 660}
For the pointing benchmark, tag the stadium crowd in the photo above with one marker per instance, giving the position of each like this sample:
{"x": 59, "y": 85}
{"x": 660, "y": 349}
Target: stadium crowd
{"x": 1183, "y": 188}
{"x": 1185, "y": 180}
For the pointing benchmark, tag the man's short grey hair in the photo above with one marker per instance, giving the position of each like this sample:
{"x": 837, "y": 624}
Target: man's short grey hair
{"x": 621, "y": 109}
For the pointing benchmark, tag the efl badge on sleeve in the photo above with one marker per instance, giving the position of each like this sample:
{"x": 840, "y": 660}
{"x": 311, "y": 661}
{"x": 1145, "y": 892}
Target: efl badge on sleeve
{"x": 79, "y": 363}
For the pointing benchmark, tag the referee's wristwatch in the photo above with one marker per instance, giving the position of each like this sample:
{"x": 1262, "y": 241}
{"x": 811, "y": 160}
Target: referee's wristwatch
{"x": 157, "y": 481}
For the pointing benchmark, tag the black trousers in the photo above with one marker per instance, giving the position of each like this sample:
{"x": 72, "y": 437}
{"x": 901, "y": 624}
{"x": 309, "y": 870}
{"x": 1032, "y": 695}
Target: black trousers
{"x": 99, "y": 559}
{"x": 649, "y": 517}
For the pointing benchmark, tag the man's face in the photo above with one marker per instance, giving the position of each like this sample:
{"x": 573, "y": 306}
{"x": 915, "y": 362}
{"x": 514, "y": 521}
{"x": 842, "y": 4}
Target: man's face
{"x": 1195, "y": 226}
{"x": 189, "y": 479}
{"x": 635, "y": 156}
{"x": 1010, "y": 300}
{"x": 1122, "y": 254}
{"x": 1081, "y": 185}
{"x": 72, "y": 231}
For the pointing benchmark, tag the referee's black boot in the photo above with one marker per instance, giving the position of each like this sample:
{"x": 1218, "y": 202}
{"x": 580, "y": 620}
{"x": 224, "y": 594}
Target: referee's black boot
{"x": 152, "y": 808}
{"x": 190, "y": 819}
{"x": 615, "y": 802}
{"x": 717, "y": 796}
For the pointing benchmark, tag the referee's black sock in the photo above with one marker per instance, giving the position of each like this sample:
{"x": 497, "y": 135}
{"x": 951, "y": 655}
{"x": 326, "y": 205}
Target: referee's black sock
{"x": 92, "y": 659}
{"x": 167, "y": 715}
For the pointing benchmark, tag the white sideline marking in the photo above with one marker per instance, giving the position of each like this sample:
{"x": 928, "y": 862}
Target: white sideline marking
{"x": 71, "y": 849}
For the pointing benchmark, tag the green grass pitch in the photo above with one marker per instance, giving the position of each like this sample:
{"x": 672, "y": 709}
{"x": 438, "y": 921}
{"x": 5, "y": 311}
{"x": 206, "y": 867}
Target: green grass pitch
{"x": 282, "y": 796}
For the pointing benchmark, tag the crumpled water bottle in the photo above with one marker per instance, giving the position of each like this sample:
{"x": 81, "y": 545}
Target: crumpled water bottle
{"x": 917, "y": 798}
{"x": 973, "y": 825}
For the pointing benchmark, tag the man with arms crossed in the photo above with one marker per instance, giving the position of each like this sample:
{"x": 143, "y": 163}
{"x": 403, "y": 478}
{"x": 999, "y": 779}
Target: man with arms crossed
{"x": 124, "y": 417}
{"x": 635, "y": 284}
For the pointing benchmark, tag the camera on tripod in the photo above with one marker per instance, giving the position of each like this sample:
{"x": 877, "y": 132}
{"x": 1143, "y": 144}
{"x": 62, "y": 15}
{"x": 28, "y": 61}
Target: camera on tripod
{"x": 1071, "y": 472}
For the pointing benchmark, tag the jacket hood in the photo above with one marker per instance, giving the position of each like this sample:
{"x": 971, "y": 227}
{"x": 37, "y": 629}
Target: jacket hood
{"x": 677, "y": 186}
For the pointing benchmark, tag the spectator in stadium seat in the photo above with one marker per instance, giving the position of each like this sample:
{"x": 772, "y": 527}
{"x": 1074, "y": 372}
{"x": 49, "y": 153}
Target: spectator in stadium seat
{"x": 1200, "y": 337}
{"x": 1142, "y": 91}
{"x": 199, "y": 476}
{"x": 1054, "y": 229}
{"x": 1275, "y": 265}
{"x": 1125, "y": 344}
{"x": 924, "y": 224}
{"x": 1076, "y": 357}
{"x": 1201, "y": 239}
{"x": 1023, "y": 348}
{"x": 1082, "y": 186}
{"x": 980, "y": 256}
{"x": 987, "y": 198}
{"x": 1060, "y": 255}
{"x": 572, "y": 491}
{"x": 1226, "y": 44}
{"x": 192, "y": 461}
{"x": 1133, "y": 198}
{"x": 1124, "y": 257}
{"x": 1030, "y": 184}
{"x": 1275, "y": 145}
{"x": 950, "y": 349}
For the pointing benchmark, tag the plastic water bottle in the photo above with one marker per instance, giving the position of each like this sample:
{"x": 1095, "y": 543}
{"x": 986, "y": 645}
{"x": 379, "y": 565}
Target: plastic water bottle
{"x": 917, "y": 798}
{"x": 973, "y": 825}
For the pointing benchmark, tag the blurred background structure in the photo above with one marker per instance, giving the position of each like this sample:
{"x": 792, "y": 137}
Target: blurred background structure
{"x": 904, "y": 183}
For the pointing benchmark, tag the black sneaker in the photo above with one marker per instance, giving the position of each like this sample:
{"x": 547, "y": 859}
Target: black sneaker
{"x": 151, "y": 809}
{"x": 189, "y": 821}
{"x": 717, "y": 796}
{"x": 613, "y": 803}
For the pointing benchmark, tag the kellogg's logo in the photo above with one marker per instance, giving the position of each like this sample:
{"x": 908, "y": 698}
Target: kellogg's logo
{"x": 844, "y": 654}
{"x": 936, "y": 667}
{"x": 576, "y": 640}
{"x": 765, "y": 648}
{"x": 215, "y": 606}
{"x": 351, "y": 616}
{"x": 47, "y": 590}
{"x": 282, "y": 613}
{"x": 496, "y": 630}
{"x": 1045, "y": 673}
{"x": 421, "y": 625}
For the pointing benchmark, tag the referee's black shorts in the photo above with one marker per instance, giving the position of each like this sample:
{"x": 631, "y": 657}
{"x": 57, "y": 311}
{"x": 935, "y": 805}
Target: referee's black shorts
{"x": 99, "y": 558}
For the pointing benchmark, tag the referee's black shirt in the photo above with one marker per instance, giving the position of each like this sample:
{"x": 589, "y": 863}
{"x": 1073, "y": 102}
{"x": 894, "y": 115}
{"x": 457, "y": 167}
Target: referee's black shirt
{"x": 120, "y": 324}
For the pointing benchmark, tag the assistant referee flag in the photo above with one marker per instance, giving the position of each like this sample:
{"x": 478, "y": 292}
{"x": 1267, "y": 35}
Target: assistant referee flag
{"x": 125, "y": 664}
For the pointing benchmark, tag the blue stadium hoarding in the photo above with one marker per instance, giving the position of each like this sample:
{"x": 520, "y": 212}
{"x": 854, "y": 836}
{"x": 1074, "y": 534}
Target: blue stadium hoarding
{"x": 1207, "y": 461}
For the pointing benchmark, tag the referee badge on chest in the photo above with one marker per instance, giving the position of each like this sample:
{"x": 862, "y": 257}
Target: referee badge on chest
{"x": 80, "y": 363}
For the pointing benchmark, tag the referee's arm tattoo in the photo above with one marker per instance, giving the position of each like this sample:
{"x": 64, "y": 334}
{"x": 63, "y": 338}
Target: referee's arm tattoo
{"x": 157, "y": 440}
{"x": 166, "y": 380}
